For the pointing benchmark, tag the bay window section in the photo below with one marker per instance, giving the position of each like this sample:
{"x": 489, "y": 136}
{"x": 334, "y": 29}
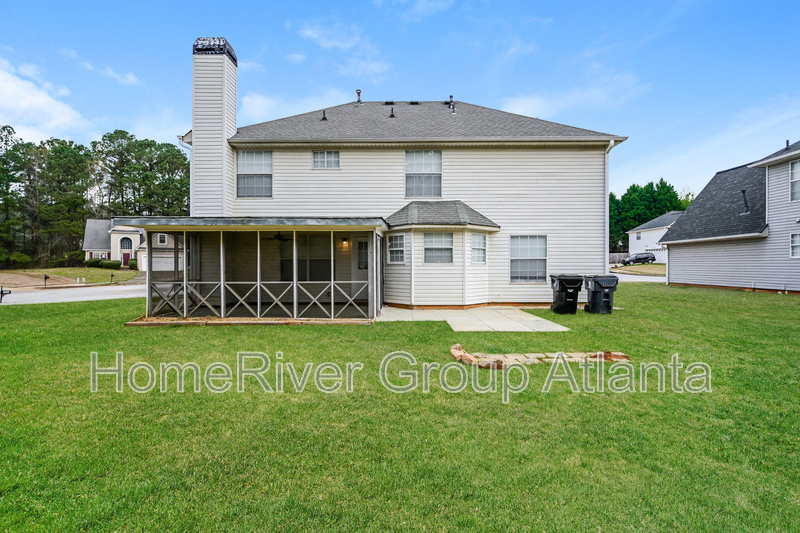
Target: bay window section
{"x": 397, "y": 249}
{"x": 438, "y": 248}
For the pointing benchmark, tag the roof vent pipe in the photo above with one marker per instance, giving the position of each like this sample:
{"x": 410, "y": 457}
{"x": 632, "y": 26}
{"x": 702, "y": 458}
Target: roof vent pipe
{"x": 746, "y": 206}
{"x": 391, "y": 115}
{"x": 323, "y": 115}
{"x": 358, "y": 93}
{"x": 787, "y": 143}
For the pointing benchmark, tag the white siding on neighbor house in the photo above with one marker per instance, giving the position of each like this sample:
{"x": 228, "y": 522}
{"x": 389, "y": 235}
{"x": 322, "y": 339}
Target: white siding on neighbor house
{"x": 397, "y": 276}
{"x": 750, "y": 263}
{"x": 213, "y": 122}
{"x": 559, "y": 193}
{"x": 649, "y": 243}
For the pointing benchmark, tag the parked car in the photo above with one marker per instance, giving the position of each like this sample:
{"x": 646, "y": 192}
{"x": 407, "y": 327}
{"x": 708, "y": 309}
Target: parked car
{"x": 641, "y": 259}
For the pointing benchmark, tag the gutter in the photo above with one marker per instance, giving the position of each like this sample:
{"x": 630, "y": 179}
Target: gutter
{"x": 764, "y": 233}
{"x": 429, "y": 140}
{"x": 607, "y": 215}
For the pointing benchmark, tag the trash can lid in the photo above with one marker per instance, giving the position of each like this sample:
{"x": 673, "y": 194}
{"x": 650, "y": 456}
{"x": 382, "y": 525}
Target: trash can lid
{"x": 607, "y": 281}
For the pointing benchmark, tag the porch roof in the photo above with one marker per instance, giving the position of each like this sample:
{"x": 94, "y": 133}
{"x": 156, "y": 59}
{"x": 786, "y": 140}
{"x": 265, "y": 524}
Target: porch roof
{"x": 196, "y": 223}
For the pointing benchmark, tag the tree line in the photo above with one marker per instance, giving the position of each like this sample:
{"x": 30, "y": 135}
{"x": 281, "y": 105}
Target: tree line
{"x": 49, "y": 189}
{"x": 642, "y": 204}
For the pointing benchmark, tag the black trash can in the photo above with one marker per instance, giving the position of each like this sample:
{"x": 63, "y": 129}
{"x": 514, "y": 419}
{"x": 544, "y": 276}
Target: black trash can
{"x": 566, "y": 288}
{"x": 601, "y": 294}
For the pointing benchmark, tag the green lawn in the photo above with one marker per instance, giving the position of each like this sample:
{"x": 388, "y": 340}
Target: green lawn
{"x": 372, "y": 460}
{"x": 92, "y": 275}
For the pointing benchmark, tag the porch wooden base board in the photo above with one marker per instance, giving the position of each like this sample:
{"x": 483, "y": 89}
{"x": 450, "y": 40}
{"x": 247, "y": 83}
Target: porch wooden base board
{"x": 473, "y": 306}
{"x": 168, "y": 321}
{"x": 730, "y": 288}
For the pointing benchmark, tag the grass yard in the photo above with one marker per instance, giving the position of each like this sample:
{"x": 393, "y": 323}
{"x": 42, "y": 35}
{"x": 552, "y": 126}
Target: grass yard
{"x": 653, "y": 269}
{"x": 35, "y": 276}
{"x": 371, "y": 460}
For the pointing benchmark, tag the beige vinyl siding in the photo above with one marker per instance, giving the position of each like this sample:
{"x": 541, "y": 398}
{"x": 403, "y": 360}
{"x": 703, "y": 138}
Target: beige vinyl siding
{"x": 438, "y": 283}
{"x": 751, "y": 263}
{"x": 213, "y": 122}
{"x": 397, "y": 277}
{"x": 539, "y": 191}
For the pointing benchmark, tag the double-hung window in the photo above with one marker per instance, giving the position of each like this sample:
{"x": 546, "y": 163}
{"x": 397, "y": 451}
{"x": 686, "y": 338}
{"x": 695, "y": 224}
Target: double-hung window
{"x": 794, "y": 248}
{"x": 638, "y": 235}
{"x": 528, "y": 258}
{"x": 438, "y": 248}
{"x": 795, "y": 181}
{"x": 478, "y": 248}
{"x": 397, "y": 248}
{"x": 423, "y": 173}
{"x": 253, "y": 173}
{"x": 162, "y": 238}
{"x": 326, "y": 159}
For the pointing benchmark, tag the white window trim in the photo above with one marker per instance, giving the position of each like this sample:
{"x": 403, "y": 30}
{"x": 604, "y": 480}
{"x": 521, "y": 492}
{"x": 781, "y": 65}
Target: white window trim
{"x": 325, "y": 152}
{"x": 546, "y": 259}
{"x": 484, "y": 247}
{"x": 160, "y": 235}
{"x": 792, "y": 163}
{"x": 389, "y": 249}
{"x": 405, "y": 176}
{"x": 271, "y": 176}
{"x": 638, "y": 235}
{"x": 451, "y": 247}
{"x": 792, "y": 246}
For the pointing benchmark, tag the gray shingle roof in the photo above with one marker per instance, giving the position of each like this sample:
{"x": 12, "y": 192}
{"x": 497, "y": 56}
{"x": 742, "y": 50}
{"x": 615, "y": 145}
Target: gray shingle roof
{"x": 96, "y": 236}
{"x": 659, "y": 222}
{"x": 440, "y": 213}
{"x": 422, "y": 121}
{"x": 716, "y": 212}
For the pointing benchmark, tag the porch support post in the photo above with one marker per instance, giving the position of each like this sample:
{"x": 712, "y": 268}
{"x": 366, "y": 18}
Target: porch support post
{"x": 294, "y": 274}
{"x": 258, "y": 273}
{"x": 149, "y": 276}
{"x": 371, "y": 276}
{"x": 333, "y": 289}
{"x": 175, "y": 265}
{"x": 185, "y": 276}
{"x": 222, "y": 274}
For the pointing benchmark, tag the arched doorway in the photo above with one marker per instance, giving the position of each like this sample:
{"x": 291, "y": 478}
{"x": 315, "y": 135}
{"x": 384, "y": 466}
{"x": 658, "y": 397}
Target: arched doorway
{"x": 125, "y": 249}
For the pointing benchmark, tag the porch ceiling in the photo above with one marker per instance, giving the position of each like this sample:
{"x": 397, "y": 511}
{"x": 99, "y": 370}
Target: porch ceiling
{"x": 251, "y": 223}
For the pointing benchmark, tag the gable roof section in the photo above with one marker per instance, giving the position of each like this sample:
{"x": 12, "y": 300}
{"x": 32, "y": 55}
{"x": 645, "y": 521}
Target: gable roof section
{"x": 717, "y": 210}
{"x": 96, "y": 236}
{"x": 440, "y": 213}
{"x": 423, "y": 121}
{"x": 790, "y": 152}
{"x": 659, "y": 222}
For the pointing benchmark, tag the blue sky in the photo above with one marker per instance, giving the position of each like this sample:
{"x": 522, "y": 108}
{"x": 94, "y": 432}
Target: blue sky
{"x": 698, "y": 86}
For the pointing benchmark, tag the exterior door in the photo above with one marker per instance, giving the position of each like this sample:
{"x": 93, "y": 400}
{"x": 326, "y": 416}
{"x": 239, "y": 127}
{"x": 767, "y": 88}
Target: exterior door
{"x": 360, "y": 271}
{"x": 125, "y": 258}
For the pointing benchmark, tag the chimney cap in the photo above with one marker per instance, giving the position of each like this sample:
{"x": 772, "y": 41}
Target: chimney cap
{"x": 214, "y": 46}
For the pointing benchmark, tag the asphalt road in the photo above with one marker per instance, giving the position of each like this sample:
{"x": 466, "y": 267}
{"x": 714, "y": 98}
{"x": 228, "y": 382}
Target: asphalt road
{"x": 77, "y": 294}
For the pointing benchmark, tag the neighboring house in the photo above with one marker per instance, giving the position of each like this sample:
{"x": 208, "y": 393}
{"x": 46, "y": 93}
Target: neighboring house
{"x": 743, "y": 229}
{"x": 163, "y": 248}
{"x": 645, "y": 238}
{"x": 103, "y": 239}
{"x": 334, "y": 213}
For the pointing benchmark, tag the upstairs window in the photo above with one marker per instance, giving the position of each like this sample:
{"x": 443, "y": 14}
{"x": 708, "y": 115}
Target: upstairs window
{"x": 478, "y": 248}
{"x": 795, "y": 181}
{"x": 794, "y": 248}
{"x": 126, "y": 243}
{"x": 638, "y": 235}
{"x": 326, "y": 159}
{"x": 528, "y": 258}
{"x": 397, "y": 248}
{"x": 162, "y": 238}
{"x": 438, "y": 248}
{"x": 423, "y": 173}
{"x": 253, "y": 173}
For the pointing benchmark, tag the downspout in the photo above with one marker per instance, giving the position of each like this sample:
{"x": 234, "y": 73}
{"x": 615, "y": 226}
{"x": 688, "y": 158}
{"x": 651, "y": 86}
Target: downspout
{"x": 606, "y": 203}
{"x": 191, "y": 174}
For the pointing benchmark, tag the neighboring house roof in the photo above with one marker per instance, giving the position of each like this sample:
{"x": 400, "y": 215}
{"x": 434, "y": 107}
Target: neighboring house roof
{"x": 717, "y": 210}
{"x": 370, "y": 122}
{"x": 441, "y": 213}
{"x": 791, "y": 151}
{"x": 96, "y": 235}
{"x": 664, "y": 221}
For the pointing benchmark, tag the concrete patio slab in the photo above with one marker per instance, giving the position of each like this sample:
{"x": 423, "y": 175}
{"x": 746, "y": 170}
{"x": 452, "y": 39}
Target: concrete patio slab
{"x": 475, "y": 319}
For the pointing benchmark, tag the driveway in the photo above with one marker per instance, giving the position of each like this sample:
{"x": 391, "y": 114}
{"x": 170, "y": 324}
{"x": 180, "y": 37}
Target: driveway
{"x": 624, "y": 278}
{"x": 76, "y": 294}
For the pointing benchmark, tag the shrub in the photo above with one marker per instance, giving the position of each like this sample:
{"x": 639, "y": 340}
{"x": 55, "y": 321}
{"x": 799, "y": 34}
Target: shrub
{"x": 133, "y": 264}
{"x": 112, "y": 265}
{"x": 93, "y": 263}
{"x": 59, "y": 262}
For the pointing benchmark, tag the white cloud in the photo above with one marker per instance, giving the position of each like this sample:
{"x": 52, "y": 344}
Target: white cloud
{"x": 35, "y": 73}
{"x": 35, "y": 114}
{"x": 425, "y": 8}
{"x": 517, "y": 47}
{"x": 257, "y": 107}
{"x": 295, "y": 58}
{"x": 611, "y": 91}
{"x": 365, "y": 66}
{"x": 336, "y": 35}
{"x": 250, "y": 66}
{"x": 127, "y": 78}
{"x": 751, "y": 134}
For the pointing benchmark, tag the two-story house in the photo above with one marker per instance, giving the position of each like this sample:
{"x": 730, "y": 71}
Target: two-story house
{"x": 337, "y": 212}
{"x": 743, "y": 229}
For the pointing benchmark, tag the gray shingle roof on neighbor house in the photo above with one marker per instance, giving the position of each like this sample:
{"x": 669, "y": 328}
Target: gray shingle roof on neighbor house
{"x": 792, "y": 148}
{"x": 370, "y": 121}
{"x": 659, "y": 222}
{"x": 717, "y": 210}
{"x": 96, "y": 236}
{"x": 439, "y": 213}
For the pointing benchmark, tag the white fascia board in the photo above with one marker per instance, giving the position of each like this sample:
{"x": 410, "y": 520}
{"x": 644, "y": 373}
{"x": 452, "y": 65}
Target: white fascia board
{"x": 777, "y": 159}
{"x": 764, "y": 233}
{"x": 469, "y": 227}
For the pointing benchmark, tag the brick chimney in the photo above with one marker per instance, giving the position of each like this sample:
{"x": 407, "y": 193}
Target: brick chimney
{"x": 213, "y": 187}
